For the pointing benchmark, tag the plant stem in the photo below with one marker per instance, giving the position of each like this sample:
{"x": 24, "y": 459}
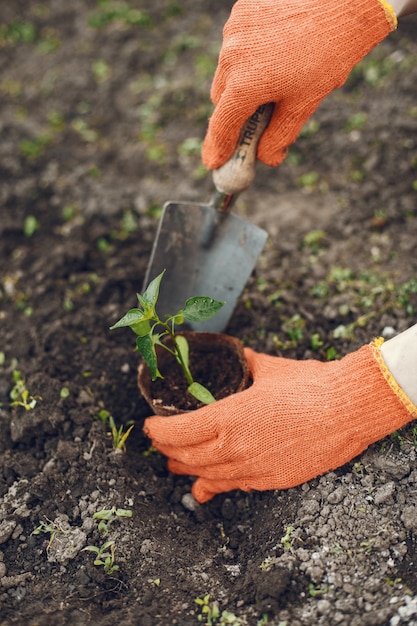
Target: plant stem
{"x": 176, "y": 352}
{"x": 184, "y": 366}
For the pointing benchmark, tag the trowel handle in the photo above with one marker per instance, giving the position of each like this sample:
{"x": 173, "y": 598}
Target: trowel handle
{"x": 239, "y": 171}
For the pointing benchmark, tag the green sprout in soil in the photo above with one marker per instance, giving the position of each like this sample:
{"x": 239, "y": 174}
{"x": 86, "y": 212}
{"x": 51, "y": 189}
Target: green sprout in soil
{"x": 20, "y": 395}
{"x": 294, "y": 329}
{"x": 105, "y": 557}
{"x": 309, "y": 180}
{"x": 47, "y": 527}
{"x": 316, "y": 342}
{"x": 287, "y": 539}
{"x": 105, "y": 554}
{"x": 314, "y": 240}
{"x": 210, "y": 613}
{"x": 145, "y": 323}
{"x": 209, "y": 610}
{"x": 316, "y": 590}
{"x": 107, "y": 516}
{"x": 118, "y": 434}
{"x": 30, "y": 226}
{"x": 64, "y": 393}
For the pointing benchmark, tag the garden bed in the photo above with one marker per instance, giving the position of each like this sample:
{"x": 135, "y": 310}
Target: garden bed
{"x": 103, "y": 109}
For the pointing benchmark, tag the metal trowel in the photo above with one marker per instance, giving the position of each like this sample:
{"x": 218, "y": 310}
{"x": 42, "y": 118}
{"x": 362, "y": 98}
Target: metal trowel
{"x": 206, "y": 249}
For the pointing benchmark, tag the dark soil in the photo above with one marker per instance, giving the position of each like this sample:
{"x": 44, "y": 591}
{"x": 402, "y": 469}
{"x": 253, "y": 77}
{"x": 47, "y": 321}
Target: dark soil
{"x": 103, "y": 106}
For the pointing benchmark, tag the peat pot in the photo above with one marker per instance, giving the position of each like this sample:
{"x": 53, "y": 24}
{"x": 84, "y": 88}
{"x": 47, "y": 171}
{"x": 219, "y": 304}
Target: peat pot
{"x": 217, "y": 361}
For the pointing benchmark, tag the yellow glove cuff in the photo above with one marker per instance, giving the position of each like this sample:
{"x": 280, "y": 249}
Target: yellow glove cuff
{"x": 410, "y": 406}
{"x": 389, "y": 14}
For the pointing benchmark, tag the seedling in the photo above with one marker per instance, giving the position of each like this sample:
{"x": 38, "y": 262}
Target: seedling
{"x": 316, "y": 590}
{"x": 209, "y": 610}
{"x": 108, "y": 516}
{"x": 118, "y": 435}
{"x": 210, "y": 614}
{"x": 287, "y": 540}
{"x": 150, "y": 330}
{"x": 105, "y": 557}
{"x": 30, "y": 226}
{"x": 20, "y": 395}
{"x": 50, "y": 528}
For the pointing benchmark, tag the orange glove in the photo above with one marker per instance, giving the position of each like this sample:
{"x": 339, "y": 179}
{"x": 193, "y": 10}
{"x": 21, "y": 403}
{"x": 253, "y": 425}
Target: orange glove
{"x": 298, "y": 420}
{"x": 293, "y": 53}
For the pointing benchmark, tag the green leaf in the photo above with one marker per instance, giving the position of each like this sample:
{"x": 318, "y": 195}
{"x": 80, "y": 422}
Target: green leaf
{"x": 123, "y": 512}
{"x": 131, "y": 318}
{"x": 201, "y": 308}
{"x": 137, "y": 320}
{"x": 144, "y": 304}
{"x": 141, "y": 328}
{"x": 182, "y": 345}
{"x": 146, "y": 347}
{"x": 104, "y": 514}
{"x": 151, "y": 292}
{"x": 201, "y": 393}
{"x": 92, "y": 549}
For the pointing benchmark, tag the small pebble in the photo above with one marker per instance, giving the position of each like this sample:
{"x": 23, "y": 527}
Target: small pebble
{"x": 189, "y": 502}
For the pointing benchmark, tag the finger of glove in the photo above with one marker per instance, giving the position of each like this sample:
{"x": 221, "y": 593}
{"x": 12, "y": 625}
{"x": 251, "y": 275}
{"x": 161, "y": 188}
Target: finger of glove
{"x": 249, "y": 467}
{"x": 264, "y": 366}
{"x": 202, "y": 454}
{"x": 286, "y": 124}
{"x": 224, "y": 129}
{"x": 244, "y": 463}
{"x": 213, "y": 473}
{"x": 219, "y": 83}
{"x": 204, "y": 490}
{"x": 181, "y": 430}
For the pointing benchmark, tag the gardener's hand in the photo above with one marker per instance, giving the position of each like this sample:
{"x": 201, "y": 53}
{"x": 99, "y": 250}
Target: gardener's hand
{"x": 291, "y": 53}
{"x": 298, "y": 420}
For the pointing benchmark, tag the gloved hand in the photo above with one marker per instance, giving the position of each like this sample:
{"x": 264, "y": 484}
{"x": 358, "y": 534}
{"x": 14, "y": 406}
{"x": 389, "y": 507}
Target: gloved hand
{"x": 298, "y": 420}
{"x": 292, "y": 53}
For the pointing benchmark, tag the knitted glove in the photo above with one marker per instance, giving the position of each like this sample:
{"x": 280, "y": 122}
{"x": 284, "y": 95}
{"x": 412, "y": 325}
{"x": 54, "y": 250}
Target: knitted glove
{"x": 298, "y": 420}
{"x": 293, "y": 53}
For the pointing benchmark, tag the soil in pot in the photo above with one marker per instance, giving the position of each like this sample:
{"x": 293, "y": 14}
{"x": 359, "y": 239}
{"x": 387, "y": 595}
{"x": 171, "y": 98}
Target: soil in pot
{"x": 217, "y": 361}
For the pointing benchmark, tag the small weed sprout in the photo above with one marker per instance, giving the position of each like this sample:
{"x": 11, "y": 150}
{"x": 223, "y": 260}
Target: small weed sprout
{"x": 105, "y": 557}
{"x": 149, "y": 451}
{"x": 267, "y": 564}
{"x": 209, "y": 610}
{"x": 210, "y": 613}
{"x": 105, "y": 554}
{"x": 108, "y": 516}
{"x": 118, "y": 434}
{"x": 30, "y": 226}
{"x": 20, "y": 395}
{"x": 287, "y": 540}
{"x": 64, "y": 392}
{"x": 316, "y": 590}
{"x": 336, "y": 548}
{"x": 50, "y": 528}
{"x": 145, "y": 321}
{"x": 314, "y": 240}
{"x": 316, "y": 342}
